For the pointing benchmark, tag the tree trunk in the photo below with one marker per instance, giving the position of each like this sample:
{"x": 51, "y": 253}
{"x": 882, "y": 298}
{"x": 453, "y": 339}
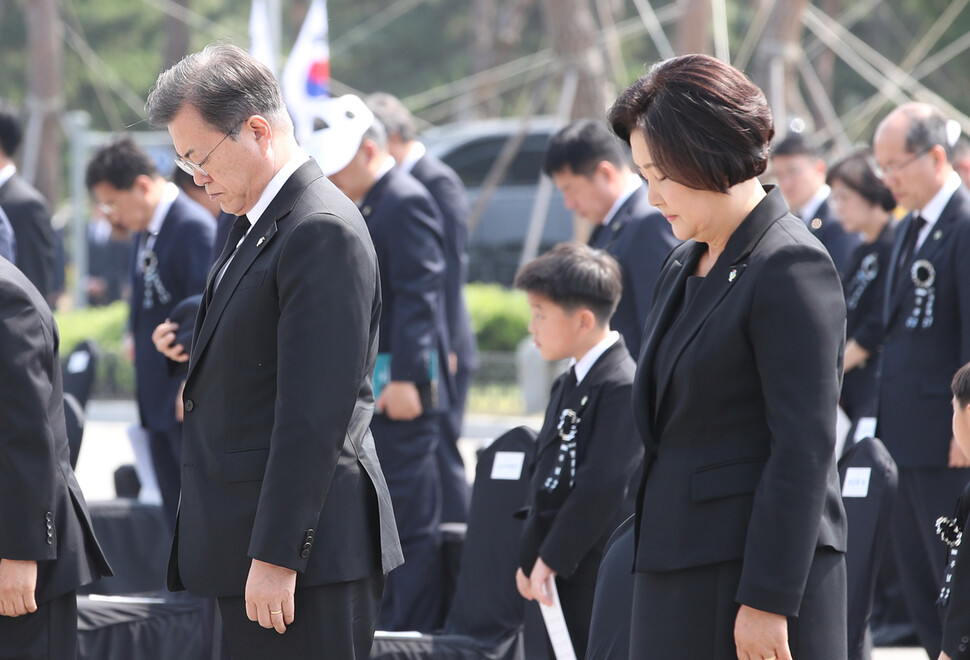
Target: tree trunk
{"x": 694, "y": 28}
{"x": 485, "y": 14}
{"x": 44, "y": 102}
{"x": 573, "y": 32}
{"x": 774, "y": 62}
{"x": 176, "y": 44}
{"x": 825, "y": 62}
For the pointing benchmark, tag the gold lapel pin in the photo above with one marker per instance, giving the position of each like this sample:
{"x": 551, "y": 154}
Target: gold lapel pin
{"x": 733, "y": 275}
{"x": 262, "y": 239}
{"x": 817, "y": 223}
{"x": 938, "y": 235}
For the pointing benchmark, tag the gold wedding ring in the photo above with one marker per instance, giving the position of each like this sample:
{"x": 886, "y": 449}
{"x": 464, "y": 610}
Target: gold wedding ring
{"x": 771, "y": 658}
{"x": 271, "y": 613}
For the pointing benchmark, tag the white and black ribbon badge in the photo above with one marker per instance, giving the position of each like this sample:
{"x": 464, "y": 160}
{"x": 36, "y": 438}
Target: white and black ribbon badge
{"x": 923, "y": 275}
{"x": 569, "y": 420}
{"x": 867, "y": 272}
{"x": 149, "y": 269}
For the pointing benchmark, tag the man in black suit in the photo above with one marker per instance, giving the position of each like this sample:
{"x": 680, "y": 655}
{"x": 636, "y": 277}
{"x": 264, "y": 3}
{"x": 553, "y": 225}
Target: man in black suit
{"x": 800, "y": 171}
{"x": 285, "y": 515}
{"x": 411, "y": 375}
{"x": 927, "y": 337}
{"x": 449, "y": 194}
{"x": 593, "y": 174}
{"x": 26, "y": 209}
{"x": 47, "y": 546}
{"x": 171, "y": 249}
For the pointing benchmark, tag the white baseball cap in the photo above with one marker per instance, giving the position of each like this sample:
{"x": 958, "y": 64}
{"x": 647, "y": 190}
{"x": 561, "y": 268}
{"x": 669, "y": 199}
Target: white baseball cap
{"x": 342, "y": 122}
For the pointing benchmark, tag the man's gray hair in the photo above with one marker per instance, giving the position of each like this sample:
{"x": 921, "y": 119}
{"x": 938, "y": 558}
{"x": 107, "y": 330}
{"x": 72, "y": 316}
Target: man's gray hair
{"x": 225, "y": 84}
{"x": 377, "y": 133}
{"x": 396, "y": 118}
{"x": 926, "y": 129}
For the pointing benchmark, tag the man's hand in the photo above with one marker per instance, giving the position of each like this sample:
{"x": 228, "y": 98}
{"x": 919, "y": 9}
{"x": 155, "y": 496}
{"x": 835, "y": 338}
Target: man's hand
{"x": 163, "y": 337}
{"x": 179, "y": 404}
{"x": 943, "y": 656}
{"x": 269, "y": 595}
{"x": 452, "y": 363}
{"x": 18, "y": 583}
{"x": 958, "y": 457}
{"x": 128, "y": 346}
{"x": 523, "y": 585}
{"x": 759, "y": 635}
{"x": 540, "y": 582}
{"x": 400, "y": 401}
{"x": 855, "y": 356}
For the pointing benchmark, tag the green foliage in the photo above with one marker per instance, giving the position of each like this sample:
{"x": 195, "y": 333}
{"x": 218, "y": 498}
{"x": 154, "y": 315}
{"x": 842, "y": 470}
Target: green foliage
{"x": 105, "y": 325}
{"x": 500, "y": 316}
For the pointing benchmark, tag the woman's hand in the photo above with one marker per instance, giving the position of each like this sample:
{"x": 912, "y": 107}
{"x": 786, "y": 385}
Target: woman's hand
{"x": 854, "y": 356}
{"x": 760, "y": 635}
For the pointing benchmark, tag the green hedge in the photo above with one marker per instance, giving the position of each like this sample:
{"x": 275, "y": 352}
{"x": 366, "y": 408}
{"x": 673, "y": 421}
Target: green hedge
{"x": 105, "y": 325}
{"x": 500, "y": 316}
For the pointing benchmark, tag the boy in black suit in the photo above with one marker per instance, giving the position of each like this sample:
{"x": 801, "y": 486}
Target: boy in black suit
{"x": 955, "y": 597}
{"x": 587, "y": 450}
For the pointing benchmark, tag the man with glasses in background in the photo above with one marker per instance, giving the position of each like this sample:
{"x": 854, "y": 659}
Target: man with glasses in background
{"x": 926, "y": 318}
{"x": 172, "y": 252}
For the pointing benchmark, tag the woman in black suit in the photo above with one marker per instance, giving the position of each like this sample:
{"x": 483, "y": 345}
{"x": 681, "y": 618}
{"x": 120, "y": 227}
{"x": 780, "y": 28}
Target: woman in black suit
{"x": 864, "y": 205}
{"x": 740, "y": 525}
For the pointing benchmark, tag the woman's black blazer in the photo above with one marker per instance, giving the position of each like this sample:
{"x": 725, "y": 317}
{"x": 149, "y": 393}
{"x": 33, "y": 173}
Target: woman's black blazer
{"x": 739, "y": 424}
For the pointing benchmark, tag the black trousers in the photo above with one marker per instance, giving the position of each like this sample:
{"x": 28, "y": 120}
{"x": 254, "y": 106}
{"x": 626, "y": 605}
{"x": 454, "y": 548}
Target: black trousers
{"x": 690, "y": 613}
{"x": 50, "y": 633}
{"x": 166, "y": 447}
{"x": 414, "y": 597}
{"x": 456, "y": 494}
{"x": 332, "y": 621}
{"x": 923, "y": 495}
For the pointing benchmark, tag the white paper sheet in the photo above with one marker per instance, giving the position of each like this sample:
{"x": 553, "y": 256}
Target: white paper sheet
{"x": 856, "y": 482}
{"x": 562, "y": 645}
{"x": 508, "y": 465}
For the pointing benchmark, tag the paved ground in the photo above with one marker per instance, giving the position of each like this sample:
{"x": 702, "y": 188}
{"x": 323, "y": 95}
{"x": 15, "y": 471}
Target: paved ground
{"x": 106, "y": 446}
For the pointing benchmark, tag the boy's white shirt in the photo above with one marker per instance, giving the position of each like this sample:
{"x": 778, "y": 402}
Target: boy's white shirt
{"x": 586, "y": 363}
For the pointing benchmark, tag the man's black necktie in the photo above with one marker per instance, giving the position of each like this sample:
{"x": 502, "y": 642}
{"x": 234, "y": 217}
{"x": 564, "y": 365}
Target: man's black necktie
{"x": 239, "y": 229}
{"x": 908, "y": 248}
{"x": 569, "y": 385}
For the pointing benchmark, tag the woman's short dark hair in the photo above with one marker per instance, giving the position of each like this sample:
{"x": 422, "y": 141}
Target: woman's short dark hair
{"x": 224, "y": 83}
{"x": 859, "y": 172}
{"x": 961, "y": 385}
{"x": 707, "y": 125}
{"x": 574, "y": 275}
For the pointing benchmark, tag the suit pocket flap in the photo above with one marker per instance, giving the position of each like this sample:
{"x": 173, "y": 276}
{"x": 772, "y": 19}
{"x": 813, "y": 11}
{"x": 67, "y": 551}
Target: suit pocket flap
{"x": 726, "y": 480}
{"x": 247, "y": 465}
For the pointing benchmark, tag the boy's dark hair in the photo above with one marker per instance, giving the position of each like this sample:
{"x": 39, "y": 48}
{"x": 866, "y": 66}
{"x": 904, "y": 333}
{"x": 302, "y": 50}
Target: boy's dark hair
{"x": 11, "y": 130}
{"x": 118, "y": 164}
{"x": 796, "y": 144}
{"x": 581, "y": 146}
{"x": 574, "y": 275}
{"x": 859, "y": 172}
{"x": 961, "y": 385}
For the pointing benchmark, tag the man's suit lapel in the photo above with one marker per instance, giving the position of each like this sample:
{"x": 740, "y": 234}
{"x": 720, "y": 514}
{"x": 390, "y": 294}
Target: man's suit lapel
{"x": 258, "y": 238}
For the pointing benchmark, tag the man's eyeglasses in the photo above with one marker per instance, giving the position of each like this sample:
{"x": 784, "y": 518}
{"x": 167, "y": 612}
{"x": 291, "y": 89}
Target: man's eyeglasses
{"x": 191, "y": 168}
{"x": 896, "y": 168}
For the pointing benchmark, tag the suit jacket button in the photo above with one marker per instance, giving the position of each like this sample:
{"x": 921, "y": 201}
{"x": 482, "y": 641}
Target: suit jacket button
{"x": 189, "y": 405}
{"x": 305, "y": 553}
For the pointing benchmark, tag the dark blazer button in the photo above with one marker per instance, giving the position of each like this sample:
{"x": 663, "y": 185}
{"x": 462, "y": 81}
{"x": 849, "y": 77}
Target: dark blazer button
{"x": 305, "y": 553}
{"x": 189, "y": 405}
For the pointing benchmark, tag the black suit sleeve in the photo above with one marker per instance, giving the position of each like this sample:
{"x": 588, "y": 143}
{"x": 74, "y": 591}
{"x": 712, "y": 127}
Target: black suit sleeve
{"x": 327, "y": 282}
{"x": 27, "y": 460}
{"x": 35, "y": 241}
{"x": 451, "y": 200}
{"x": 415, "y": 270}
{"x": 598, "y": 492}
{"x": 797, "y": 325}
